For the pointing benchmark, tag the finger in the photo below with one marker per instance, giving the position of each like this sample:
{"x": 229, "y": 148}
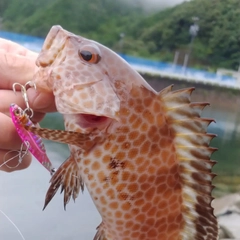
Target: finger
{"x": 40, "y": 101}
{"x": 9, "y": 138}
{"x": 12, "y": 47}
{"x": 7, "y": 97}
{"x": 9, "y": 161}
{"x": 15, "y": 68}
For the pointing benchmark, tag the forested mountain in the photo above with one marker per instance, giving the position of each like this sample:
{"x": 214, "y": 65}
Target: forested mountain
{"x": 154, "y": 35}
{"x": 218, "y": 40}
{"x": 100, "y": 19}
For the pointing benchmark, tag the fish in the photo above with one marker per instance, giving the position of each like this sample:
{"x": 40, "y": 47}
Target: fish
{"x": 33, "y": 142}
{"x": 148, "y": 165}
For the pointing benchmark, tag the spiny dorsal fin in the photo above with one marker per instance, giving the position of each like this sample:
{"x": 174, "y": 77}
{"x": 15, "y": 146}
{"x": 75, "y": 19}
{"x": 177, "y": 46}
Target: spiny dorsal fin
{"x": 193, "y": 153}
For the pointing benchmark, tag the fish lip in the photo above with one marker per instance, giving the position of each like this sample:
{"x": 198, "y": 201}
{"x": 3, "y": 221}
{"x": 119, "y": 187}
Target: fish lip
{"x": 43, "y": 59}
{"x": 56, "y": 41}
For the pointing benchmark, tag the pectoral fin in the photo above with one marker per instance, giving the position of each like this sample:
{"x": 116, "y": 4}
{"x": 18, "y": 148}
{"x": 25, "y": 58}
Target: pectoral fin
{"x": 61, "y": 136}
{"x": 68, "y": 177}
{"x": 101, "y": 233}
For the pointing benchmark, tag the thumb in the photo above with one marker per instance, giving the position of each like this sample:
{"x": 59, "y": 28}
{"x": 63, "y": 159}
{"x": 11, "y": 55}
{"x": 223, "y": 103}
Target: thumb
{"x": 41, "y": 101}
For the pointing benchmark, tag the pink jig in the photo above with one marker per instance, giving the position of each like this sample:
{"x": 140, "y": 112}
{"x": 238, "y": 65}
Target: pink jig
{"x": 33, "y": 142}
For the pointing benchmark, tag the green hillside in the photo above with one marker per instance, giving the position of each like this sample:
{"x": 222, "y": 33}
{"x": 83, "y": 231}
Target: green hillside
{"x": 155, "y": 36}
{"x": 218, "y": 40}
{"x": 102, "y": 20}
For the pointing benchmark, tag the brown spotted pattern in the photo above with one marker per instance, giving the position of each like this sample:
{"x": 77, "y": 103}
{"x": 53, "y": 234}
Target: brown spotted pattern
{"x": 137, "y": 187}
{"x": 148, "y": 170}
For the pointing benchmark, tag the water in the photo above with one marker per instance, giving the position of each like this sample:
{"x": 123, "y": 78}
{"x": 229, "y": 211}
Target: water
{"x": 22, "y": 198}
{"x": 227, "y": 129}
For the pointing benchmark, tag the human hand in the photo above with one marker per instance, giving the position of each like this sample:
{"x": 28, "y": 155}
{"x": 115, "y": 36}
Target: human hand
{"x": 17, "y": 65}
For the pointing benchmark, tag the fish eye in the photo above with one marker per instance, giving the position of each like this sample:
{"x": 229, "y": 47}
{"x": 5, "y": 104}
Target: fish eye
{"x": 86, "y": 55}
{"x": 89, "y": 54}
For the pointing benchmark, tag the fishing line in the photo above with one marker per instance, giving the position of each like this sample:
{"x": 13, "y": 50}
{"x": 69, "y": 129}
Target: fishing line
{"x": 18, "y": 230}
{"x": 20, "y": 154}
{"x": 10, "y": 159}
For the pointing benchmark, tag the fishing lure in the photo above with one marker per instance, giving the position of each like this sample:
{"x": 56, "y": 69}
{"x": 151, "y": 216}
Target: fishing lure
{"x": 34, "y": 143}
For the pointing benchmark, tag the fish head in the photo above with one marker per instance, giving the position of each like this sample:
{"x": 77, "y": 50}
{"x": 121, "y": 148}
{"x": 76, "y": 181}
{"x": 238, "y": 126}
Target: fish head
{"x": 84, "y": 76}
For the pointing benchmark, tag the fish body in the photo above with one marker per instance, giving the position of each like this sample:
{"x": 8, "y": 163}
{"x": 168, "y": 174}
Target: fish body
{"x": 32, "y": 141}
{"x": 147, "y": 166}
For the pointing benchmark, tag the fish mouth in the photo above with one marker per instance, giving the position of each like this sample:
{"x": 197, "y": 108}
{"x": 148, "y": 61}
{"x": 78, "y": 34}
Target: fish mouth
{"x": 92, "y": 121}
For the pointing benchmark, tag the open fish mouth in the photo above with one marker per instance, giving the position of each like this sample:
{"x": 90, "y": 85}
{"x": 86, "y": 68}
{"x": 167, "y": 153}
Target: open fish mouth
{"x": 93, "y": 118}
{"x": 93, "y": 121}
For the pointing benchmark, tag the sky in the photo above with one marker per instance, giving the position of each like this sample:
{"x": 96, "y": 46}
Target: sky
{"x": 153, "y": 4}
{"x": 164, "y": 2}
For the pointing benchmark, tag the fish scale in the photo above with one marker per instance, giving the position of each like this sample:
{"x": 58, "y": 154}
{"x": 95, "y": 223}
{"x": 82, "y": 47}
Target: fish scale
{"x": 146, "y": 157}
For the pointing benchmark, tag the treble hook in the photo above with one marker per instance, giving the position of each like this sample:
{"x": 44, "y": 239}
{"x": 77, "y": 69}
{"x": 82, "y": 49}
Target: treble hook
{"x": 30, "y": 84}
{"x": 23, "y": 91}
{"x": 24, "y": 94}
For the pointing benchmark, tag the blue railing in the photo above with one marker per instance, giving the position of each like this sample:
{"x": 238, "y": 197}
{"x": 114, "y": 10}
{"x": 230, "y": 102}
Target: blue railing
{"x": 176, "y": 69}
{"x": 35, "y": 44}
